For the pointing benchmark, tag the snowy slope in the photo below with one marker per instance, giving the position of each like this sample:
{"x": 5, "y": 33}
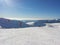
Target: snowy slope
{"x": 7, "y": 23}
{"x": 31, "y": 36}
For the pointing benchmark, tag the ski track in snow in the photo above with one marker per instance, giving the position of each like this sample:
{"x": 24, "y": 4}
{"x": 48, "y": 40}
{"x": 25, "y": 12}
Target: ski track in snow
{"x": 31, "y": 36}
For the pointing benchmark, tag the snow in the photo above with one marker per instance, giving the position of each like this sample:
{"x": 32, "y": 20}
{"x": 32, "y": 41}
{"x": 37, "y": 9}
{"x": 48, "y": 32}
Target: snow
{"x": 9, "y": 23}
{"x": 57, "y": 25}
{"x": 31, "y": 35}
{"x": 30, "y": 23}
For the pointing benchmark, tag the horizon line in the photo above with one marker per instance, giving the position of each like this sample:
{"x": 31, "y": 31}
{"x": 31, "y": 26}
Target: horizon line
{"x": 29, "y": 18}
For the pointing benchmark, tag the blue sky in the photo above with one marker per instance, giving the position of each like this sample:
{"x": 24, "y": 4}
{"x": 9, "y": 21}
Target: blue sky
{"x": 30, "y": 8}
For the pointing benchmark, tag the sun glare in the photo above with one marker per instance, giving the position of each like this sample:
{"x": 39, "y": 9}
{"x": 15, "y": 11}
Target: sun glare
{"x": 6, "y": 2}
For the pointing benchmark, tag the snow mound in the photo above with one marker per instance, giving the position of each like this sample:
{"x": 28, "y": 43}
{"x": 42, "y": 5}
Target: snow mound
{"x": 57, "y": 25}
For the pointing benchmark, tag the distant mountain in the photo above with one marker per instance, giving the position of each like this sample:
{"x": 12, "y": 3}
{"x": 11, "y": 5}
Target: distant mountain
{"x": 8, "y": 23}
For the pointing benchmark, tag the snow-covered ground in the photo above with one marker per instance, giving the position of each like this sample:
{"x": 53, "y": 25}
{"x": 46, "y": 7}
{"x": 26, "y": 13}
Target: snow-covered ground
{"x": 47, "y": 35}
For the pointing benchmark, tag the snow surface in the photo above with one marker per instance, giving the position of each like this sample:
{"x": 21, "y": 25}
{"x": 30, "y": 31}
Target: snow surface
{"x": 30, "y": 23}
{"x": 47, "y": 35}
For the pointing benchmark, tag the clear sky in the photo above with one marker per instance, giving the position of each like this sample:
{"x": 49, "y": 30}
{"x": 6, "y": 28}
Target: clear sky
{"x": 30, "y": 8}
